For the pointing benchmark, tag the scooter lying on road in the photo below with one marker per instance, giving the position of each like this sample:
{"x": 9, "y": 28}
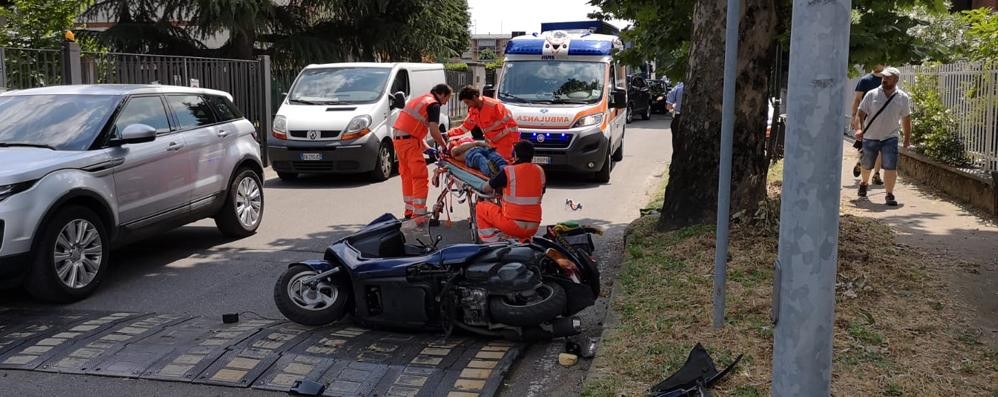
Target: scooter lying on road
{"x": 527, "y": 291}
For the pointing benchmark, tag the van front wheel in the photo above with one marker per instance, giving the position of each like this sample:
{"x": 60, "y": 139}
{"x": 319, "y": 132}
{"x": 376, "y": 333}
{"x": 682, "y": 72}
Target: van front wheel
{"x": 603, "y": 175}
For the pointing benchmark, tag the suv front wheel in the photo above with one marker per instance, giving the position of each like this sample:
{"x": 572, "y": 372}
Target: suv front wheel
{"x": 70, "y": 256}
{"x": 242, "y": 212}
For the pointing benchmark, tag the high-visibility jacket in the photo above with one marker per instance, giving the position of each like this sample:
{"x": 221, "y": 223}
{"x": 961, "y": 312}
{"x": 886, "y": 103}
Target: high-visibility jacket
{"x": 521, "y": 198}
{"x": 493, "y": 118}
{"x": 413, "y": 119}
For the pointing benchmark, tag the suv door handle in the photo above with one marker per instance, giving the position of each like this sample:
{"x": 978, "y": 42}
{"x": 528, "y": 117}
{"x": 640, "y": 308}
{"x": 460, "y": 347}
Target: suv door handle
{"x": 174, "y": 147}
{"x": 223, "y": 133}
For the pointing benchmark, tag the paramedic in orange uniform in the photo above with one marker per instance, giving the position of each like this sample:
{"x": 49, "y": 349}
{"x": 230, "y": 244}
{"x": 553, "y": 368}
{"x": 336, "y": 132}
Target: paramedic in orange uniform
{"x": 522, "y": 185}
{"x": 495, "y": 121}
{"x": 420, "y": 115}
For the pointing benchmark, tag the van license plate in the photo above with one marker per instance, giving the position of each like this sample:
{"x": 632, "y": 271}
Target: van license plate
{"x": 311, "y": 156}
{"x": 542, "y": 160}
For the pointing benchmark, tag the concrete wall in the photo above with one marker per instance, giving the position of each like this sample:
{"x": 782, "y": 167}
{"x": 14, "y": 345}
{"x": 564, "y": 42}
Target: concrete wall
{"x": 980, "y": 192}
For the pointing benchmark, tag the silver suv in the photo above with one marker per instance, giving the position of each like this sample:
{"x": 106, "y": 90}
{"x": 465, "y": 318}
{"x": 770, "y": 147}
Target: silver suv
{"x": 83, "y": 168}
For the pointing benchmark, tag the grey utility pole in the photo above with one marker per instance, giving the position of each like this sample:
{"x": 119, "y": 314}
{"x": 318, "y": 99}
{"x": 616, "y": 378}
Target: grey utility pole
{"x": 804, "y": 299}
{"x": 733, "y": 13}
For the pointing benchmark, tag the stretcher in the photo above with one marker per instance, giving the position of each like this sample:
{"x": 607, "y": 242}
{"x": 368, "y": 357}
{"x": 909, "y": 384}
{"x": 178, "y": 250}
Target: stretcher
{"x": 462, "y": 184}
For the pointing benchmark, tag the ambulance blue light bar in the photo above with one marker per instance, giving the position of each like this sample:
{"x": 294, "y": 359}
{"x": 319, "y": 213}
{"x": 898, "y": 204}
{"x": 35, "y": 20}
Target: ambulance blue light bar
{"x": 575, "y": 47}
{"x": 525, "y": 47}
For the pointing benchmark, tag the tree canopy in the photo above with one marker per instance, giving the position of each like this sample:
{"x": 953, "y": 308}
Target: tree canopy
{"x": 37, "y": 23}
{"x": 295, "y": 32}
{"x": 879, "y": 34}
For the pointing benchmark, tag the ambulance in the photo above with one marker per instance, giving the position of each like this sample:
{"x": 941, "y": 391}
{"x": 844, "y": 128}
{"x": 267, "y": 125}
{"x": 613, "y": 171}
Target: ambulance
{"x": 569, "y": 98}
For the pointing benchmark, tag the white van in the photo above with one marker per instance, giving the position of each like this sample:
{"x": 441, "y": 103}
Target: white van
{"x": 569, "y": 98}
{"x": 338, "y": 117}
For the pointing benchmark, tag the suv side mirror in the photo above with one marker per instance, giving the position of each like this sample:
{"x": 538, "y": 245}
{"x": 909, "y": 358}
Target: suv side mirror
{"x": 618, "y": 99}
{"x": 397, "y": 100}
{"x": 489, "y": 90}
{"x": 135, "y": 133}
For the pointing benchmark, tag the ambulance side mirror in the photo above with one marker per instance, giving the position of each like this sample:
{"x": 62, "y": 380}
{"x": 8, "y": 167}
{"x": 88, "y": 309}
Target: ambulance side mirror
{"x": 397, "y": 100}
{"x": 618, "y": 99}
{"x": 489, "y": 90}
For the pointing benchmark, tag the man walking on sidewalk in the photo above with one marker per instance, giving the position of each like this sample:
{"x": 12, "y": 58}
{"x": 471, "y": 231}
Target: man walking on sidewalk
{"x": 869, "y": 82}
{"x": 674, "y": 102}
{"x": 882, "y": 113}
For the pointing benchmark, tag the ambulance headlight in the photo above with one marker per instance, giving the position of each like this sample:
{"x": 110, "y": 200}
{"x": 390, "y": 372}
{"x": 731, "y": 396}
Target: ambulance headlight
{"x": 592, "y": 119}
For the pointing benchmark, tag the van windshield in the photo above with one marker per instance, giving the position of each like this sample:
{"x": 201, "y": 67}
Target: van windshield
{"x": 332, "y": 86}
{"x": 552, "y": 82}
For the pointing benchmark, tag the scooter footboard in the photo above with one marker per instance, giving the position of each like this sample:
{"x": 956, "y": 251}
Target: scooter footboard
{"x": 318, "y": 265}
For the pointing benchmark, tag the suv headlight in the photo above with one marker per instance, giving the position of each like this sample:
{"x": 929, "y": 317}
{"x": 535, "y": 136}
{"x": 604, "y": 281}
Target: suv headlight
{"x": 14, "y": 188}
{"x": 280, "y": 128}
{"x": 589, "y": 120}
{"x": 358, "y": 127}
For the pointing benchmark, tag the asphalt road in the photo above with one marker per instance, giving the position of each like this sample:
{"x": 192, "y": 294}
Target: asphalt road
{"x": 194, "y": 270}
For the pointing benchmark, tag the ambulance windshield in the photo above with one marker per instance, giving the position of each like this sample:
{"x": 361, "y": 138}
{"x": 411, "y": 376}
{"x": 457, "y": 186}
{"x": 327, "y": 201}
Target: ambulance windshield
{"x": 552, "y": 82}
{"x": 339, "y": 85}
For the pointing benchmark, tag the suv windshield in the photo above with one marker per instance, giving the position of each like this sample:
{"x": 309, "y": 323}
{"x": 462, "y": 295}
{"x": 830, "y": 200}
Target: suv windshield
{"x": 61, "y": 122}
{"x": 330, "y": 86}
{"x": 552, "y": 82}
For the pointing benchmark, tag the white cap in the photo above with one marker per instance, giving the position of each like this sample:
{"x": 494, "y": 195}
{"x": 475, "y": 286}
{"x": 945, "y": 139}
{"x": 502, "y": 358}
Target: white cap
{"x": 890, "y": 71}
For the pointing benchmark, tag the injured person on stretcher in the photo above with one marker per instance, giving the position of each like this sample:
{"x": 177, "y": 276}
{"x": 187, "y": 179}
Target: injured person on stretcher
{"x": 478, "y": 155}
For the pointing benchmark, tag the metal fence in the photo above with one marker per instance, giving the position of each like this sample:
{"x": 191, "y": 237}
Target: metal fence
{"x": 248, "y": 81}
{"x": 970, "y": 91}
{"x": 456, "y": 109}
{"x": 22, "y": 68}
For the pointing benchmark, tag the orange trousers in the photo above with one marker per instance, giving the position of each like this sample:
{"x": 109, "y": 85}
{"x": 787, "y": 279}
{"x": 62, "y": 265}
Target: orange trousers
{"x": 504, "y": 146}
{"x": 492, "y": 224}
{"x": 415, "y": 177}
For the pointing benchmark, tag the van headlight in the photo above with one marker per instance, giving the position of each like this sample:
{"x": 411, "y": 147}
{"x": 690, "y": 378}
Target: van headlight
{"x": 589, "y": 120}
{"x": 358, "y": 127}
{"x": 14, "y": 188}
{"x": 280, "y": 127}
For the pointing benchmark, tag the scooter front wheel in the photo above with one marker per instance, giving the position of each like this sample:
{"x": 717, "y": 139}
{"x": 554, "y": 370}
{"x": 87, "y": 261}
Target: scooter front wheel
{"x": 324, "y": 303}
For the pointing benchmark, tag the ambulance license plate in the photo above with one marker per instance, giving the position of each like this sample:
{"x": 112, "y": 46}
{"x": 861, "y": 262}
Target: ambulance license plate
{"x": 542, "y": 160}
{"x": 311, "y": 156}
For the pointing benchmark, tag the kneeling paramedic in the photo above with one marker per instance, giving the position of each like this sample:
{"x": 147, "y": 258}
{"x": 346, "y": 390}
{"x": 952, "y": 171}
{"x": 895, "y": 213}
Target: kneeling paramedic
{"x": 492, "y": 117}
{"x": 420, "y": 115}
{"x": 523, "y": 186}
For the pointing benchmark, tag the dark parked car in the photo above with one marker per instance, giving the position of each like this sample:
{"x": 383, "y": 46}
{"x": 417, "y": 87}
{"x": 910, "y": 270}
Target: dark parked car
{"x": 639, "y": 98}
{"x": 658, "y": 90}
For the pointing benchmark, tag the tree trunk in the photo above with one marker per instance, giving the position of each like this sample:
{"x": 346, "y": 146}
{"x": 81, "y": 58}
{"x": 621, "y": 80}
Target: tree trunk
{"x": 691, "y": 195}
{"x": 242, "y": 43}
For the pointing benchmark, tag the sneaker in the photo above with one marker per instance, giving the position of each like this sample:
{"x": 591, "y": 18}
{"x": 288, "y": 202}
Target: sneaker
{"x": 862, "y": 189}
{"x": 877, "y": 180}
{"x": 890, "y": 200}
{"x": 856, "y": 171}
{"x": 493, "y": 169}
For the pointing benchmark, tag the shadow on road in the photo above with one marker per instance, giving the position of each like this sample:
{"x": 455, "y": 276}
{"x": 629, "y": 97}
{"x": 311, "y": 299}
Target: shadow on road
{"x": 321, "y": 181}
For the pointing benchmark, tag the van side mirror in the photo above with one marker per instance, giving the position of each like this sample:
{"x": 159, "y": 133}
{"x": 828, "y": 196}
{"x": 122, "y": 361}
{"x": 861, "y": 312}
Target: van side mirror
{"x": 135, "y": 133}
{"x": 489, "y": 90}
{"x": 618, "y": 99}
{"x": 397, "y": 100}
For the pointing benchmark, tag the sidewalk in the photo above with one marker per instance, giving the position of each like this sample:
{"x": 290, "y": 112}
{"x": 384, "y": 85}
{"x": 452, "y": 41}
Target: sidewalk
{"x": 940, "y": 228}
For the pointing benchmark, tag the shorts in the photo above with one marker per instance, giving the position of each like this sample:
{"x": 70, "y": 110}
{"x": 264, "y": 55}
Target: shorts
{"x": 888, "y": 150}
